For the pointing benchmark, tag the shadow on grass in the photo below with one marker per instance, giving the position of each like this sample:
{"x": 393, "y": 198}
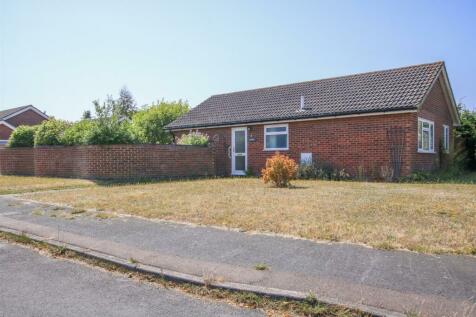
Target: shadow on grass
{"x": 469, "y": 178}
{"x": 144, "y": 181}
{"x": 442, "y": 177}
{"x": 297, "y": 187}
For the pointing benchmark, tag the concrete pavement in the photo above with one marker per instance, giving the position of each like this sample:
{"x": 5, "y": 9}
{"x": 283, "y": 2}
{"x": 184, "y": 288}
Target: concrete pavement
{"x": 396, "y": 281}
{"x": 36, "y": 285}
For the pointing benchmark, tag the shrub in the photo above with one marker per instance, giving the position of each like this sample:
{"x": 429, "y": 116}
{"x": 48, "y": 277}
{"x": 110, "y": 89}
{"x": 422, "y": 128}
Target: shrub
{"x": 280, "y": 170}
{"x": 339, "y": 175}
{"x": 249, "y": 172}
{"x": 307, "y": 171}
{"x": 148, "y": 124}
{"x": 323, "y": 171}
{"x": 453, "y": 174}
{"x": 466, "y": 136}
{"x": 417, "y": 177}
{"x": 50, "y": 132}
{"x": 194, "y": 138}
{"x": 77, "y": 133}
{"x": 109, "y": 131}
{"x": 107, "y": 126}
{"x": 22, "y": 136}
{"x": 361, "y": 173}
{"x": 386, "y": 173}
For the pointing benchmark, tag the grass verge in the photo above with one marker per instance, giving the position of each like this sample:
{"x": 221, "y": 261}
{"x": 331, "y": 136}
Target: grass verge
{"x": 429, "y": 218}
{"x": 309, "y": 307}
{"x": 23, "y": 184}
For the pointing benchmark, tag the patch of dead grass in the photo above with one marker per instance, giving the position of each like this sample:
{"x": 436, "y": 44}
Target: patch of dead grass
{"x": 430, "y": 218}
{"x": 23, "y": 184}
{"x": 104, "y": 215}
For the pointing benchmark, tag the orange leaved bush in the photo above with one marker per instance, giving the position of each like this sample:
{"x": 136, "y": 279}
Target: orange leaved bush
{"x": 280, "y": 169}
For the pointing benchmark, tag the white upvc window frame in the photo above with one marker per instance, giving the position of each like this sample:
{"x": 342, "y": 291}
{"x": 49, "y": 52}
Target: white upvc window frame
{"x": 276, "y": 133}
{"x": 431, "y": 136}
{"x": 446, "y": 138}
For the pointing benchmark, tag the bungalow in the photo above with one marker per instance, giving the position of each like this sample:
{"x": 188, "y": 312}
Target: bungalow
{"x": 14, "y": 117}
{"x": 397, "y": 120}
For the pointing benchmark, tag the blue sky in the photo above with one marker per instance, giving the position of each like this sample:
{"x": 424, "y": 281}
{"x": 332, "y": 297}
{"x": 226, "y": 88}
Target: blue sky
{"x": 61, "y": 55}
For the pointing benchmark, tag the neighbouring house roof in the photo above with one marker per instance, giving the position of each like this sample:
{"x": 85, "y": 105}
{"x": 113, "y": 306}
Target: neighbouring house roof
{"x": 8, "y": 125}
{"x": 9, "y": 113}
{"x": 379, "y": 91}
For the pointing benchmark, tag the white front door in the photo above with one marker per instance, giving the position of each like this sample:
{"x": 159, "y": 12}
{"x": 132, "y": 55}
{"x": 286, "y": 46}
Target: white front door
{"x": 239, "y": 147}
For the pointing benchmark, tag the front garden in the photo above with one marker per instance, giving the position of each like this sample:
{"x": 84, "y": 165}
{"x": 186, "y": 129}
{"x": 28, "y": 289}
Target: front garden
{"x": 424, "y": 212}
{"x": 430, "y": 218}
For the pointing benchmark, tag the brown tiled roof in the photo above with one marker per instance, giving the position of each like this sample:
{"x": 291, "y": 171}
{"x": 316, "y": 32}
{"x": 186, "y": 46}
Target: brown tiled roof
{"x": 380, "y": 91}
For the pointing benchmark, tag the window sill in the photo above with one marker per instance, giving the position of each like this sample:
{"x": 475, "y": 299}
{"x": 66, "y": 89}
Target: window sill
{"x": 426, "y": 152}
{"x": 283, "y": 149}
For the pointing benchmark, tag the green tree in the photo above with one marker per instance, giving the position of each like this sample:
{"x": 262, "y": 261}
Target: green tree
{"x": 86, "y": 115}
{"x": 50, "y": 132}
{"x": 22, "y": 136}
{"x": 466, "y": 137}
{"x": 78, "y": 133}
{"x": 106, "y": 110}
{"x": 108, "y": 132}
{"x": 107, "y": 128}
{"x": 148, "y": 124}
{"x": 125, "y": 105}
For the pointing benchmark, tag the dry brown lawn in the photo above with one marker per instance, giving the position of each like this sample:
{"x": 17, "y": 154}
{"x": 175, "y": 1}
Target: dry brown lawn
{"x": 430, "y": 218}
{"x": 22, "y": 184}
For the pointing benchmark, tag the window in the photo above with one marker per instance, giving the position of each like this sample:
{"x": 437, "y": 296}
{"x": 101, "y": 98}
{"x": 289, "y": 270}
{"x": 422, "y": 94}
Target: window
{"x": 276, "y": 137}
{"x": 426, "y": 136}
{"x": 446, "y": 138}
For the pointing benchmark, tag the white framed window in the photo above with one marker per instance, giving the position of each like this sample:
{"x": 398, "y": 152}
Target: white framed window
{"x": 446, "y": 138}
{"x": 276, "y": 137}
{"x": 426, "y": 136}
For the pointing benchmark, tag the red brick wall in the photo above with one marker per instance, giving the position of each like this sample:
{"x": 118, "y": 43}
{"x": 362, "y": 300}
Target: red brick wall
{"x": 60, "y": 161}
{"x": 220, "y": 140}
{"x": 347, "y": 143}
{"x": 28, "y": 117}
{"x": 436, "y": 109}
{"x": 18, "y": 161}
{"x": 110, "y": 162}
{"x": 5, "y": 132}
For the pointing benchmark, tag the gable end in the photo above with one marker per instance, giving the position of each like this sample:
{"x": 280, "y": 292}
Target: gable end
{"x": 29, "y": 108}
{"x": 8, "y": 125}
{"x": 441, "y": 81}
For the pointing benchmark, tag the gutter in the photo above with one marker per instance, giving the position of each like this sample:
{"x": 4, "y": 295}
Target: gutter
{"x": 327, "y": 117}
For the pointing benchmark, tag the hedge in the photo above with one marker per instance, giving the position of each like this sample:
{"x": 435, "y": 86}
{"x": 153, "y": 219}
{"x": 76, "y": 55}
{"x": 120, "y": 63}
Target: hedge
{"x": 22, "y": 136}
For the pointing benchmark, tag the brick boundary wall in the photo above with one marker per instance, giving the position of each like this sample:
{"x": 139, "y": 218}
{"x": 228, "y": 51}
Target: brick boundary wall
{"x": 110, "y": 161}
{"x": 17, "y": 161}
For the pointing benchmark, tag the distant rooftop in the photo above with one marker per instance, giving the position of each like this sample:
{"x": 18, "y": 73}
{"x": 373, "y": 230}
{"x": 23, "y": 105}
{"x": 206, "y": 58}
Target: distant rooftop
{"x": 7, "y": 112}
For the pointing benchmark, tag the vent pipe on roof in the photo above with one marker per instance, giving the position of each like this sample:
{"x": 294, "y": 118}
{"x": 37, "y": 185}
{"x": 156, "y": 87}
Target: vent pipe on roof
{"x": 303, "y": 107}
